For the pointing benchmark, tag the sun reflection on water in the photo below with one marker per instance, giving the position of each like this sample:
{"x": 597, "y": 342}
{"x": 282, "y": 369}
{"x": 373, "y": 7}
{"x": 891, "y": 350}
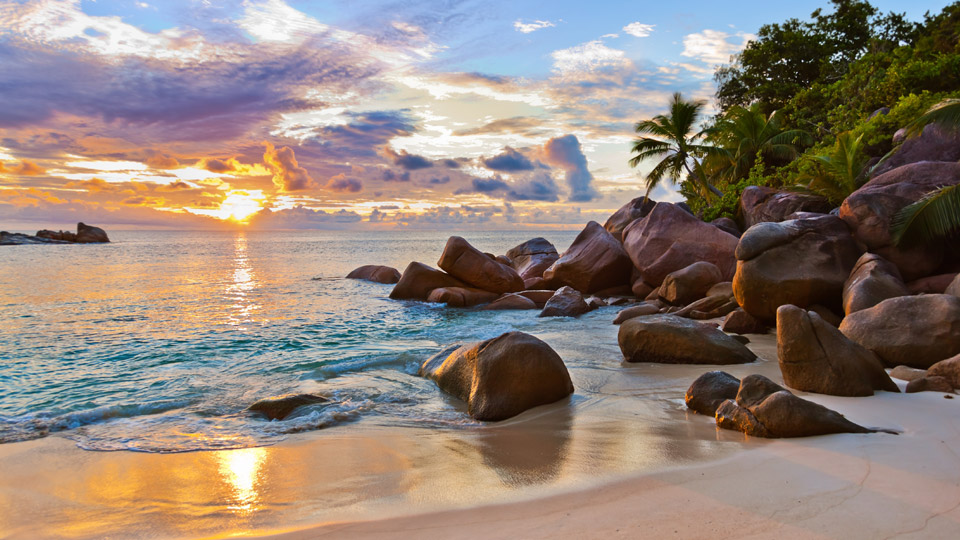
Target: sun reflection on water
{"x": 241, "y": 469}
{"x": 242, "y": 281}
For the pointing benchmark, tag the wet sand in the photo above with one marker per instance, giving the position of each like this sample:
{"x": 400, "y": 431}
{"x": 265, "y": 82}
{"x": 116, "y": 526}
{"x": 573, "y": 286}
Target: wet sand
{"x": 621, "y": 458}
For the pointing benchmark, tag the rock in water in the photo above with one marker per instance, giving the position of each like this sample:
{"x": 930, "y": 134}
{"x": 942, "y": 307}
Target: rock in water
{"x": 873, "y": 280}
{"x": 765, "y": 409}
{"x": 88, "y": 234}
{"x": 418, "y": 280}
{"x": 633, "y": 312}
{"x": 566, "y": 302}
{"x": 915, "y": 331}
{"x": 501, "y": 377}
{"x": 710, "y": 390}
{"x": 627, "y": 214}
{"x": 667, "y": 339}
{"x": 689, "y": 284}
{"x": 669, "y": 239}
{"x": 511, "y": 301}
{"x": 461, "y": 296}
{"x": 470, "y": 265}
{"x": 278, "y": 408}
{"x": 870, "y": 210}
{"x": 800, "y": 262}
{"x": 760, "y": 204}
{"x": 816, "y": 357}
{"x": 376, "y": 273}
{"x": 531, "y": 258}
{"x": 595, "y": 261}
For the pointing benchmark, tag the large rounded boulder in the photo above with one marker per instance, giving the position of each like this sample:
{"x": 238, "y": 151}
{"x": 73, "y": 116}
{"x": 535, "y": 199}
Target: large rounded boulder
{"x": 801, "y": 262}
{"x": 870, "y": 210}
{"x": 761, "y": 204}
{"x": 472, "y": 266}
{"x": 934, "y": 144}
{"x": 667, "y": 339}
{"x": 531, "y": 258}
{"x": 461, "y": 296}
{"x": 595, "y": 261}
{"x": 691, "y": 283}
{"x": 418, "y": 280}
{"x": 566, "y": 302}
{"x": 710, "y": 390}
{"x": 627, "y": 214}
{"x": 88, "y": 234}
{"x": 816, "y": 357}
{"x": 915, "y": 331}
{"x": 501, "y": 377}
{"x": 670, "y": 238}
{"x": 873, "y": 280}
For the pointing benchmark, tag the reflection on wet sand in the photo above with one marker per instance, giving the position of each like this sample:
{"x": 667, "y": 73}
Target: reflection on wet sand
{"x": 242, "y": 469}
{"x": 531, "y": 452}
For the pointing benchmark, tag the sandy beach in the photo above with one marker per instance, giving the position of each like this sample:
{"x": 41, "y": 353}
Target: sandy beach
{"x": 621, "y": 458}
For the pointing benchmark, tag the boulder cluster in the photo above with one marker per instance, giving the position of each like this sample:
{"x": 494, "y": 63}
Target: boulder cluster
{"x": 86, "y": 234}
{"x": 846, "y": 302}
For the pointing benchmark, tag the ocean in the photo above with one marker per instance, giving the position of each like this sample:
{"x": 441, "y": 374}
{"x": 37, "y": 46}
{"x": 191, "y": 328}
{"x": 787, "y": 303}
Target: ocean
{"x": 159, "y": 341}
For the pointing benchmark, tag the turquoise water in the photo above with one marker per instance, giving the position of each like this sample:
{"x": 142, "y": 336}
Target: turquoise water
{"x": 159, "y": 341}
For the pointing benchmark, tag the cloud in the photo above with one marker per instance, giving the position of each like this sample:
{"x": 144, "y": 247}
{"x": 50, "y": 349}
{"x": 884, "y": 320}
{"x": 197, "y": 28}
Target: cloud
{"x": 342, "y": 184}
{"x": 509, "y": 161}
{"x": 176, "y": 186}
{"x": 439, "y": 181}
{"x": 539, "y": 187}
{"x": 713, "y": 46}
{"x": 410, "y": 162}
{"x": 26, "y": 168}
{"x": 93, "y": 185}
{"x": 485, "y": 185}
{"x": 160, "y": 160}
{"x": 301, "y": 217}
{"x": 638, "y": 29}
{"x": 390, "y": 176}
{"x": 529, "y": 27}
{"x": 287, "y": 174}
{"x": 565, "y": 153}
{"x": 586, "y": 57}
{"x": 518, "y": 124}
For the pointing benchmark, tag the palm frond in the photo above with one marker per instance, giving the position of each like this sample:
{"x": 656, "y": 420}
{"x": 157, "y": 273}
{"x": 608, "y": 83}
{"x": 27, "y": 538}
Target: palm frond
{"x": 946, "y": 114}
{"x": 934, "y": 217}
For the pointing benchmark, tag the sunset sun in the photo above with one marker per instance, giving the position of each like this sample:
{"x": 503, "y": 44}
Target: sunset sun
{"x": 240, "y": 205}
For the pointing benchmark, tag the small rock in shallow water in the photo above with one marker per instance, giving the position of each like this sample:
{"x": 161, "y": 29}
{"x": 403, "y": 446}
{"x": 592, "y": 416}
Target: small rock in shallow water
{"x": 278, "y": 408}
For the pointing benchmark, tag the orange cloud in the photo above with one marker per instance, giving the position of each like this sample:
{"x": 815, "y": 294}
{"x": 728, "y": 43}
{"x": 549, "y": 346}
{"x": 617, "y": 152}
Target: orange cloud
{"x": 162, "y": 161}
{"x": 288, "y": 175}
{"x": 93, "y": 185}
{"x": 28, "y": 168}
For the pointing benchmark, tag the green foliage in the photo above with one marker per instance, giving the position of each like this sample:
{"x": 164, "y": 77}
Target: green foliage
{"x": 840, "y": 172}
{"x": 946, "y": 114}
{"x": 670, "y": 139}
{"x": 934, "y": 217}
{"x": 744, "y": 135}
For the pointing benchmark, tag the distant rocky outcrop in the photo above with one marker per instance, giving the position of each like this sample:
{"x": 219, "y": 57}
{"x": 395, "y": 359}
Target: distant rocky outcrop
{"x": 375, "y": 273}
{"x": 501, "y": 377}
{"x": 86, "y": 234}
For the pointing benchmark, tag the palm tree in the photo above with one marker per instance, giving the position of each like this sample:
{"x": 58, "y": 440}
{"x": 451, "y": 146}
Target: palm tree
{"x": 668, "y": 138}
{"x": 744, "y": 134}
{"x": 841, "y": 172}
{"x": 937, "y": 215}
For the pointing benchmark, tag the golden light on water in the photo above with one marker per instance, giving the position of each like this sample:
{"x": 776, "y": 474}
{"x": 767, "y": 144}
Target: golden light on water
{"x": 241, "y": 469}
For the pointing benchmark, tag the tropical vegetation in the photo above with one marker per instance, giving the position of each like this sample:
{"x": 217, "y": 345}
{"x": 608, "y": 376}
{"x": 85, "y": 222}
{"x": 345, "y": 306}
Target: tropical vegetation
{"x": 812, "y": 105}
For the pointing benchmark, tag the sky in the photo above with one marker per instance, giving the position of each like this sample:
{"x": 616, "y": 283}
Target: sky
{"x": 347, "y": 114}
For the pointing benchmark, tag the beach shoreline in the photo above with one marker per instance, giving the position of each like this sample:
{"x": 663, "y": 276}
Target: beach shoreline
{"x": 629, "y": 456}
